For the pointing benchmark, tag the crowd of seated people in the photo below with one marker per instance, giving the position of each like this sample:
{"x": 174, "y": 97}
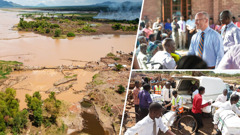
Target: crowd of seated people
{"x": 208, "y": 45}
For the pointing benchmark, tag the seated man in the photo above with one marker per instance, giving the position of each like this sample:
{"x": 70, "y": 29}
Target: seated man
{"x": 223, "y": 97}
{"x": 176, "y": 102}
{"x": 229, "y": 105}
{"x": 164, "y": 58}
{"x": 142, "y": 56}
{"x": 151, "y": 123}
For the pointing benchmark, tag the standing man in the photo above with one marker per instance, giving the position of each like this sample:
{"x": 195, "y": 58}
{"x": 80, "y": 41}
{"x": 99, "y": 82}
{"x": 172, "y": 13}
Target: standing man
{"x": 191, "y": 27}
{"x": 197, "y": 106}
{"x": 175, "y": 35}
{"x": 167, "y": 95}
{"x": 157, "y": 89}
{"x": 182, "y": 32}
{"x": 144, "y": 100}
{"x": 229, "y": 32}
{"x": 206, "y": 43}
{"x": 136, "y": 91}
{"x": 151, "y": 123}
{"x": 158, "y": 25}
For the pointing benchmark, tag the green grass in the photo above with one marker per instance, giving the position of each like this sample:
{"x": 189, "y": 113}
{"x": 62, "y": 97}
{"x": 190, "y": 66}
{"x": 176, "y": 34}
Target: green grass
{"x": 110, "y": 55}
{"x": 75, "y": 75}
{"x": 6, "y": 67}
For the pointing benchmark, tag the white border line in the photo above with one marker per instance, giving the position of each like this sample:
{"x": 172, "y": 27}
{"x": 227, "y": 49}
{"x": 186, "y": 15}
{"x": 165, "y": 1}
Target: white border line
{"x": 125, "y": 102}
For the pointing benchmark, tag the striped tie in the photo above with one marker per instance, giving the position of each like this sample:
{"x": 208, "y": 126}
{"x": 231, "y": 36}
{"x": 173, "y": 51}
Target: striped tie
{"x": 200, "y": 47}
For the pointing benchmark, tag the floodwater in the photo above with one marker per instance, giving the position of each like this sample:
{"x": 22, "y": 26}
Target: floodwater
{"x": 43, "y": 80}
{"x": 37, "y": 50}
{"x": 92, "y": 125}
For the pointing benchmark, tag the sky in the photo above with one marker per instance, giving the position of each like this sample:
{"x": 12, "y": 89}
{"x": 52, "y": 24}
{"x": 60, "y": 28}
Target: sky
{"x": 64, "y": 2}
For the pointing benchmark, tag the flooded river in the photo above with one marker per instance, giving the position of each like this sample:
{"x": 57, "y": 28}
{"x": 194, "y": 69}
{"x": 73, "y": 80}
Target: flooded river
{"x": 37, "y": 50}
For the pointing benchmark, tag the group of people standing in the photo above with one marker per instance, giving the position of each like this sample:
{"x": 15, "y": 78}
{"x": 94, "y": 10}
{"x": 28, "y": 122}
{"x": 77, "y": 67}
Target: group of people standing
{"x": 156, "y": 46}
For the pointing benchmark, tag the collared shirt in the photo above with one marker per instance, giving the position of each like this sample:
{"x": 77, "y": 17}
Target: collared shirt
{"x": 232, "y": 36}
{"x": 175, "y": 27}
{"x": 221, "y": 98}
{"x": 195, "y": 93}
{"x": 225, "y": 106}
{"x": 191, "y": 24}
{"x": 165, "y": 59}
{"x": 145, "y": 127}
{"x": 182, "y": 26}
{"x": 156, "y": 25}
{"x": 197, "y": 104}
{"x": 144, "y": 99}
{"x": 135, "y": 95}
{"x": 231, "y": 60}
{"x": 213, "y": 46}
{"x": 142, "y": 60}
{"x": 166, "y": 95}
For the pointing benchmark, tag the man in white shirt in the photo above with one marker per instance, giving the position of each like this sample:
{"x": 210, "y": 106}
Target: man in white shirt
{"x": 151, "y": 123}
{"x": 182, "y": 32}
{"x": 158, "y": 25}
{"x": 223, "y": 97}
{"x": 164, "y": 58}
{"x": 191, "y": 27}
{"x": 195, "y": 93}
{"x": 142, "y": 56}
{"x": 167, "y": 95}
{"x": 229, "y": 105}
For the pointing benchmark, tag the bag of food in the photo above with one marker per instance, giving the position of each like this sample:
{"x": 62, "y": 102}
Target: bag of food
{"x": 169, "y": 118}
{"x": 229, "y": 123}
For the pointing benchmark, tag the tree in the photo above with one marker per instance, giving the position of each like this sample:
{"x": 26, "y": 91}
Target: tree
{"x": 2, "y": 123}
{"x": 57, "y": 33}
{"x": 34, "y": 104}
{"x": 52, "y": 107}
{"x": 20, "y": 121}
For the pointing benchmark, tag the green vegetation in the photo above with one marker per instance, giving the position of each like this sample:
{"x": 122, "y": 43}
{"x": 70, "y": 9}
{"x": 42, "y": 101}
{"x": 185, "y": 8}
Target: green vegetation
{"x": 71, "y": 34}
{"x": 95, "y": 76}
{"x": 86, "y": 28}
{"x": 75, "y": 75}
{"x": 118, "y": 26}
{"x": 57, "y": 33}
{"x": 118, "y": 67}
{"x": 86, "y": 104}
{"x": 107, "y": 108}
{"x": 116, "y": 58}
{"x": 110, "y": 55}
{"x": 38, "y": 111}
{"x": 121, "y": 89}
{"x": 10, "y": 116}
{"x": 8, "y": 66}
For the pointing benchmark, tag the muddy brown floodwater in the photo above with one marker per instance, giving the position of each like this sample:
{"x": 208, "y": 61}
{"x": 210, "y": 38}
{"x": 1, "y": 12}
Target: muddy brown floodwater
{"x": 38, "y": 50}
{"x": 42, "y": 80}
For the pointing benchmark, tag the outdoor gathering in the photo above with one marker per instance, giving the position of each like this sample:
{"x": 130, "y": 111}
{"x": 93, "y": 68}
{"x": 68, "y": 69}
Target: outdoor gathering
{"x": 179, "y": 35}
{"x": 186, "y": 102}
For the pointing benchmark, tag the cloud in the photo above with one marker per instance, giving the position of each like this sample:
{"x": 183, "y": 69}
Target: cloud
{"x": 63, "y": 2}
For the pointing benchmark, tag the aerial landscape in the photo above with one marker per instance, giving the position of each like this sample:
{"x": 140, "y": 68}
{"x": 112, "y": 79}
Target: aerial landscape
{"x": 65, "y": 69}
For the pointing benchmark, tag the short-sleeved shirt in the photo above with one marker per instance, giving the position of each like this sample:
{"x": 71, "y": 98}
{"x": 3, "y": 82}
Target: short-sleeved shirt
{"x": 144, "y": 99}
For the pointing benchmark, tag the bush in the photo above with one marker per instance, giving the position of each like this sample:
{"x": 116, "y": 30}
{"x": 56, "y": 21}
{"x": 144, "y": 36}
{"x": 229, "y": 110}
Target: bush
{"x": 110, "y": 55}
{"x": 57, "y": 33}
{"x": 80, "y": 22}
{"x": 116, "y": 26}
{"x": 86, "y": 28}
{"x": 118, "y": 67}
{"x": 47, "y": 30}
{"x": 121, "y": 89}
{"x": 71, "y": 34}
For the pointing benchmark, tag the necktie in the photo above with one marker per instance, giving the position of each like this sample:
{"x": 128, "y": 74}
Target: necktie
{"x": 224, "y": 33}
{"x": 200, "y": 46}
{"x": 169, "y": 93}
{"x": 154, "y": 127}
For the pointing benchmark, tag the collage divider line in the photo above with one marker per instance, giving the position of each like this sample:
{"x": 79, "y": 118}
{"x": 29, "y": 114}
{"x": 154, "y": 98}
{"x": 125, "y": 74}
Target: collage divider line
{"x": 131, "y": 69}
